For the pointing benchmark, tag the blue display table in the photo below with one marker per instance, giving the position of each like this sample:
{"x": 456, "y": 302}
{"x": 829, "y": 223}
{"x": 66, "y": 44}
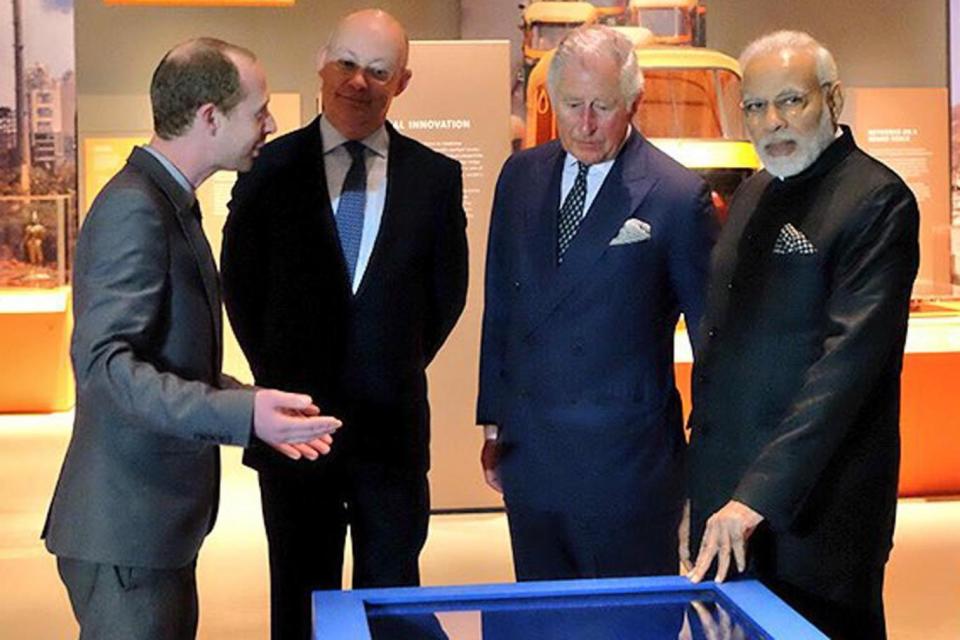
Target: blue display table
{"x": 641, "y": 608}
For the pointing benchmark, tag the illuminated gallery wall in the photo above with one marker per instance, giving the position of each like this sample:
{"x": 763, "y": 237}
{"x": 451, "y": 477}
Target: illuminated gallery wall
{"x": 880, "y": 44}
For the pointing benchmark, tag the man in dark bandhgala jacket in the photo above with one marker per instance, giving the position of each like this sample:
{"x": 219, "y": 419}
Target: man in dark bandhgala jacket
{"x": 795, "y": 429}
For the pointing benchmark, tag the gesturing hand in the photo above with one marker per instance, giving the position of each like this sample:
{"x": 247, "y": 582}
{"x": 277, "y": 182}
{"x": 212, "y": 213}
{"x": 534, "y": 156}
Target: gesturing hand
{"x": 727, "y": 532}
{"x": 309, "y": 450}
{"x": 489, "y": 459}
{"x": 683, "y": 539}
{"x": 281, "y": 418}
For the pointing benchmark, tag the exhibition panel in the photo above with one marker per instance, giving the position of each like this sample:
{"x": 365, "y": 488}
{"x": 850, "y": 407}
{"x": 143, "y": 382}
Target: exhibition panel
{"x": 35, "y": 372}
{"x": 929, "y": 429}
{"x": 40, "y": 338}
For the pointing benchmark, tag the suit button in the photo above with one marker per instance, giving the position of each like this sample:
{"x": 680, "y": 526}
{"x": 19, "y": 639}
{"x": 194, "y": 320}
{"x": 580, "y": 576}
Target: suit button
{"x": 516, "y": 285}
{"x": 713, "y": 332}
{"x": 730, "y": 286}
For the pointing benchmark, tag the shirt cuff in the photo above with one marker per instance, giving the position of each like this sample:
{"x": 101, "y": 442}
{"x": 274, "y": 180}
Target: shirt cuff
{"x": 490, "y": 431}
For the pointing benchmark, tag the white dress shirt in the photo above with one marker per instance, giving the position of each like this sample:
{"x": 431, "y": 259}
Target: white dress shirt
{"x": 336, "y": 163}
{"x": 596, "y": 174}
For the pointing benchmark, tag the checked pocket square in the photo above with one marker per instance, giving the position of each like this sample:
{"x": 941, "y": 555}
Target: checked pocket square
{"x": 633, "y": 230}
{"x": 791, "y": 241}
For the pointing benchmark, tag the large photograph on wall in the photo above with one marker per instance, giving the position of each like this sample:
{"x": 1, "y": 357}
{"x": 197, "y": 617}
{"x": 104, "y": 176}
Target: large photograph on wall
{"x": 37, "y": 142}
{"x": 954, "y": 20}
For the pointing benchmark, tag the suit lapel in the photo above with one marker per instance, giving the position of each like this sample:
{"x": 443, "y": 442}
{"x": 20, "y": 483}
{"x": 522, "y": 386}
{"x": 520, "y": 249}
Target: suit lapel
{"x": 400, "y": 180}
{"x": 319, "y": 221}
{"x": 621, "y": 195}
{"x": 183, "y": 204}
{"x": 200, "y": 247}
{"x": 541, "y": 229}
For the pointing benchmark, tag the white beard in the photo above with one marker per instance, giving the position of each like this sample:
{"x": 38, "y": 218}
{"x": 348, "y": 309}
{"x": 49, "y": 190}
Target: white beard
{"x": 807, "y": 150}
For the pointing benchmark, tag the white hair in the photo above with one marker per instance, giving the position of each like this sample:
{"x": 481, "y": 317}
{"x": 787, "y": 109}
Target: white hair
{"x": 793, "y": 41}
{"x": 594, "y": 40}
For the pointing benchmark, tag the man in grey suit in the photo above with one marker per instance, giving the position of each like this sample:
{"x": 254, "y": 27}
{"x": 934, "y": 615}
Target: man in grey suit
{"x": 139, "y": 487}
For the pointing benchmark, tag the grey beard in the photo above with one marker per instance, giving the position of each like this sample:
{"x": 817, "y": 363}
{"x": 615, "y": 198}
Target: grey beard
{"x": 807, "y": 152}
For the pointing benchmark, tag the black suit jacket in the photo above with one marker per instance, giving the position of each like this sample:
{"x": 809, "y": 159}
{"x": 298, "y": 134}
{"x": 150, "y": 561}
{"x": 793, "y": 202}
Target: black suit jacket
{"x": 362, "y": 357}
{"x": 139, "y": 485}
{"x": 797, "y": 388}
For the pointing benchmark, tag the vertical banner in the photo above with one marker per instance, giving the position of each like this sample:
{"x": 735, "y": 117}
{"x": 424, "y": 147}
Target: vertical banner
{"x": 953, "y": 13}
{"x": 458, "y": 103}
{"x": 906, "y": 128}
{"x": 38, "y": 168}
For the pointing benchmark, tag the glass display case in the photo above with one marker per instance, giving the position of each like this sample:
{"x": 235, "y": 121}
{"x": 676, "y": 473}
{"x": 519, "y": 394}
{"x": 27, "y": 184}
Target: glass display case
{"x": 35, "y": 236}
{"x": 648, "y": 608}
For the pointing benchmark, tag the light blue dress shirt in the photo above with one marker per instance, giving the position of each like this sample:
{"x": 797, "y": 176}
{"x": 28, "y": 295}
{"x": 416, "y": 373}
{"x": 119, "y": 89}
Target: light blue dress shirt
{"x": 336, "y": 163}
{"x": 171, "y": 168}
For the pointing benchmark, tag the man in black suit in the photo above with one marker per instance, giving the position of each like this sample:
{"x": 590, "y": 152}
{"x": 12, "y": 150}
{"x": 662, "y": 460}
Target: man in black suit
{"x": 345, "y": 268}
{"x": 139, "y": 486}
{"x": 795, "y": 428}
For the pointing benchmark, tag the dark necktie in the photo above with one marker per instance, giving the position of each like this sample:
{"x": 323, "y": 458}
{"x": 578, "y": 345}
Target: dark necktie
{"x": 571, "y": 213}
{"x": 353, "y": 200}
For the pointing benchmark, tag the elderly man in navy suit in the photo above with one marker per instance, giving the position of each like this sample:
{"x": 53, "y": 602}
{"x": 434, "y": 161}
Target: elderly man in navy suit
{"x": 598, "y": 242}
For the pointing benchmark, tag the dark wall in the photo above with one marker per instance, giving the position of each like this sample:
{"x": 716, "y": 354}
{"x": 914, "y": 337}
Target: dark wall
{"x": 118, "y": 46}
{"x": 877, "y": 43}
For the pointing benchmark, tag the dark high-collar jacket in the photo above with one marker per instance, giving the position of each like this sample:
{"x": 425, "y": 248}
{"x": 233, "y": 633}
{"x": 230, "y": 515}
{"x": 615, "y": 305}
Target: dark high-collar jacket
{"x": 796, "y": 391}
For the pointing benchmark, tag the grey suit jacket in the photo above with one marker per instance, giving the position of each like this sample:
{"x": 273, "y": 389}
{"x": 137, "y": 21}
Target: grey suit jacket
{"x": 140, "y": 482}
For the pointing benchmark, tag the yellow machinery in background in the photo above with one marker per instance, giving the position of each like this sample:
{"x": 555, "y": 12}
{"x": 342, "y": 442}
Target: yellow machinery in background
{"x": 611, "y": 12}
{"x": 545, "y": 24}
{"x": 672, "y": 22}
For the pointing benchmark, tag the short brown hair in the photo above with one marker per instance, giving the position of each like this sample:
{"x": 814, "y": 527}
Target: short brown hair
{"x": 192, "y": 74}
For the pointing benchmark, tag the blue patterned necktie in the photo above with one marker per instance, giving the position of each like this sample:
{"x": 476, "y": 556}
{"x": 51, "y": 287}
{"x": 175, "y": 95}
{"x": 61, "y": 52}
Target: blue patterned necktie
{"x": 353, "y": 200}
{"x": 571, "y": 213}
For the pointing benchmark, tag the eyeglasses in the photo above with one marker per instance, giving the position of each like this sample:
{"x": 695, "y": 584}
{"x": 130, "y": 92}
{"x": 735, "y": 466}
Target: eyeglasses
{"x": 788, "y": 105}
{"x": 374, "y": 74}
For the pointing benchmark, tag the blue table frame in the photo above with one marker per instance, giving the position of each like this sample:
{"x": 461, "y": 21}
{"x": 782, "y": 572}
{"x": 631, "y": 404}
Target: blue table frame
{"x": 341, "y": 615}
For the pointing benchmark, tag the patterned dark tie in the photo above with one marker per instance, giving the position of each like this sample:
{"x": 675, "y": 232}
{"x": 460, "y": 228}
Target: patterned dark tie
{"x": 571, "y": 213}
{"x": 353, "y": 200}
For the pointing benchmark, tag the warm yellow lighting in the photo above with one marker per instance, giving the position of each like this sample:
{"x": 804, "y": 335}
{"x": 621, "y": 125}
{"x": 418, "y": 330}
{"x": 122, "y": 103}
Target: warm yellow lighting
{"x": 206, "y": 3}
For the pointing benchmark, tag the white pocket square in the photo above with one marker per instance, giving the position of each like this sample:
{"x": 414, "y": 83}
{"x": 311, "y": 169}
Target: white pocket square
{"x": 791, "y": 241}
{"x": 633, "y": 230}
